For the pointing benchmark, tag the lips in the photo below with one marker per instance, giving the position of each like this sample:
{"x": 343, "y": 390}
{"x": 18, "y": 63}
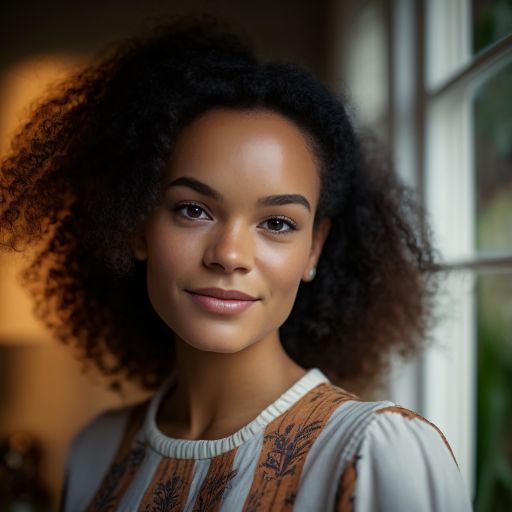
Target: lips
{"x": 223, "y": 294}
{"x": 223, "y": 302}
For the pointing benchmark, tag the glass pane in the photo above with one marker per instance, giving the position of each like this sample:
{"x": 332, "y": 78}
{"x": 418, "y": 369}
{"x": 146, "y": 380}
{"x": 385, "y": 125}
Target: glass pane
{"x": 492, "y": 20}
{"x": 494, "y": 395}
{"x": 493, "y": 160}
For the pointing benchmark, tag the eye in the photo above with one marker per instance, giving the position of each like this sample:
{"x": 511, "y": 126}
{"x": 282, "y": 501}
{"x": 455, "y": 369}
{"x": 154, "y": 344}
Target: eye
{"x": 190, "y": 211}
{"x": 277, "y": 223}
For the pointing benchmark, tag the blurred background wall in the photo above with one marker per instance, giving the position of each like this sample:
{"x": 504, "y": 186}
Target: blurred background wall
{"x": 432, "y": 80}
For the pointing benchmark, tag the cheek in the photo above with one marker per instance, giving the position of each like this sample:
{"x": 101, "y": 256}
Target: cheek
{"x": 282, "y": 271}
{"x": 172, "y": 259}
{"x": 170, "y": 253}
{"x": 282, "y": 268}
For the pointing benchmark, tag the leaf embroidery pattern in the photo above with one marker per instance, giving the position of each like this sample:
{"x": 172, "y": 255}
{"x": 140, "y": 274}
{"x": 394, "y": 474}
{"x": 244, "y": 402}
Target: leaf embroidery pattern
{"x": 106, "y": 497}
{"x": 286, "y": 446}
{"x": 254, "y": 501}
{"x": 282, "y": 459}
{"x": 215, "y": 491}
{"x": 341, "y": 395}
{"x": 166, "y": 495}
{"x": 287, "y": 450}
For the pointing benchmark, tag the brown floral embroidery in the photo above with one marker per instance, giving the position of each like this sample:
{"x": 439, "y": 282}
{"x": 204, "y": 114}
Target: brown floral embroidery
{"x": 107, "y": 497}
{"x": 286, "y": 443}
{"x": 345, "y": 494}
{"x": 217, "y": 481}
{"x": 407, "y": 413}
{"x": 169, "y": 487}
{"x": 166, "y": 495}
{"x": 338, "y": 394}
{"x": 287, "y": 449}
{"x": 124, "y": 465}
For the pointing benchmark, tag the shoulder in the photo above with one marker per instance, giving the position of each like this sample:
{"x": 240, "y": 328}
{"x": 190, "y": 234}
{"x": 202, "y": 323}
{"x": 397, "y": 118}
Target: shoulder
{"x": 399, "y": 460}
{"x": 103, "y": 432}
{"x": 91, "y": 450}
{"x": 100, "y": 426}
{"x": 379, "y": 419}
{"x": 402, "y": 423}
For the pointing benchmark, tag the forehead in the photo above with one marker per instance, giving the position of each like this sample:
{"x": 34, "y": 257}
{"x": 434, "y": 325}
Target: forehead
{"x": 257, "y": 148}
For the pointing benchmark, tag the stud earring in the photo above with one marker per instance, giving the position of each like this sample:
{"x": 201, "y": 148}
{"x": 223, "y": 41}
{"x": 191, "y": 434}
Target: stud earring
{"x": 312, "y": 273}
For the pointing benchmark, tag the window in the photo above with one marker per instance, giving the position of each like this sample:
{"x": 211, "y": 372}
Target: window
{"x": 465, "y": 169}
{"x": 433, "y": 79}
{"x": 449, "y": 124}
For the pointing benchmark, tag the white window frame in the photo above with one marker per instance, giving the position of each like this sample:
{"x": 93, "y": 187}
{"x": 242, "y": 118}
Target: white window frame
{"x": 433, "y": 78}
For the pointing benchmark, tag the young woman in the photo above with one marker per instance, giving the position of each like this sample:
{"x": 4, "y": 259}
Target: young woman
{"x": 211, "y": 227}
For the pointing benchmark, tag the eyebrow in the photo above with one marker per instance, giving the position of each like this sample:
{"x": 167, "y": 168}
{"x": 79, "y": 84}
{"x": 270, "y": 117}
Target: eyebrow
{"x": 206, "y": 190}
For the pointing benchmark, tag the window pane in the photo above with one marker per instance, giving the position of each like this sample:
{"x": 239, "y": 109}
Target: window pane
{"x": 494, "y": 396}
{"x": 492, "y": 20}
{"x": 493, "y": 161}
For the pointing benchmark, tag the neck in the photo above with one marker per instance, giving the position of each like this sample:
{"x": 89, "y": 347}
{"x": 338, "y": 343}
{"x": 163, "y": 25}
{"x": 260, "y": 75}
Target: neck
{"x": 218, "y": 393}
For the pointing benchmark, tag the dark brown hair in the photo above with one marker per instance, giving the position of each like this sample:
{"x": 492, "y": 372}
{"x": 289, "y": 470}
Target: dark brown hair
{"x": 85, "y": 172}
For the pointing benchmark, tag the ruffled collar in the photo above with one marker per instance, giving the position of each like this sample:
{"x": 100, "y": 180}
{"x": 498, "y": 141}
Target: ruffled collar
{"x": 207, "y": 448}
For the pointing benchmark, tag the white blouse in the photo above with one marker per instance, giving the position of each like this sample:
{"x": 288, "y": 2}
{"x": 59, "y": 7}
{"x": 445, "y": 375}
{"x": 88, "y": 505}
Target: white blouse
{"x": 316, "y": 448}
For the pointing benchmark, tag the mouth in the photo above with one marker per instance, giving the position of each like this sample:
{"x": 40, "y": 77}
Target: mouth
{"x": 219, "y": 293}
{"x": 222, "y": 306}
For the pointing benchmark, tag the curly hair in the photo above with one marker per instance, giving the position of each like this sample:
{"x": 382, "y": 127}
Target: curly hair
{"x": 84, "y": 172}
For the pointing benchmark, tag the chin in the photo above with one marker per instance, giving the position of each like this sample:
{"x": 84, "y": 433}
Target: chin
{"x": 217, "y": 347}
{"x": 214, "y": 341}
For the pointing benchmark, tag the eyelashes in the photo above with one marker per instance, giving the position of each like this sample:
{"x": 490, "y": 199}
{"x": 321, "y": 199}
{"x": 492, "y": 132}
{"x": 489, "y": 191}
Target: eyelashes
{"x": 282, "y": 219}
{"x": 286, "y": 221}
{"x": 178, "y": 209}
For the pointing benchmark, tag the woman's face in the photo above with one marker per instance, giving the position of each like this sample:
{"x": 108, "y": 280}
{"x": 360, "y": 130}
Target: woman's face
{"x": 237, "y": 214}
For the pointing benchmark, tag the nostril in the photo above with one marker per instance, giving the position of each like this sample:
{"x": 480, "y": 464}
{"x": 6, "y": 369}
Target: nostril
{"x": 228, "y": 258}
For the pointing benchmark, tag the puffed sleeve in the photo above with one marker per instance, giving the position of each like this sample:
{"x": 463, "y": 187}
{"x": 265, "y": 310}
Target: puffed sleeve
{"x": 402, "y": 463}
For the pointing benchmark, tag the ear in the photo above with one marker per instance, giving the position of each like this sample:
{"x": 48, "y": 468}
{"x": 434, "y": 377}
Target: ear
{"x": 319, "y": 236}
{"x": 139, "y": 246}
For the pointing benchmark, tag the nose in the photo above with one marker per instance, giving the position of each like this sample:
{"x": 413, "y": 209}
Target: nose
{"x": 230, "y": 248}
